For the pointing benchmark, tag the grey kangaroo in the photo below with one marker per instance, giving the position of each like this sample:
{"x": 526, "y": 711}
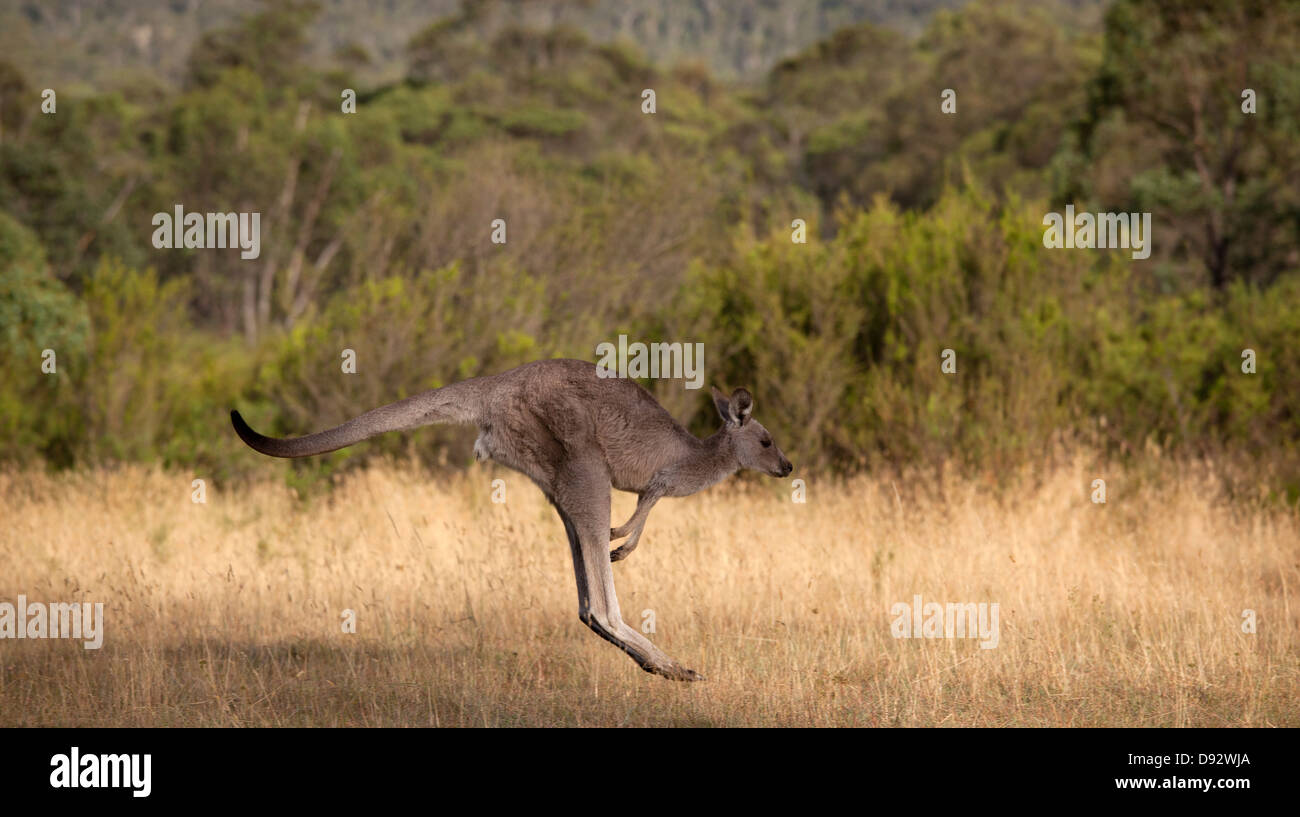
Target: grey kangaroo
{"x": 576, "y": 435}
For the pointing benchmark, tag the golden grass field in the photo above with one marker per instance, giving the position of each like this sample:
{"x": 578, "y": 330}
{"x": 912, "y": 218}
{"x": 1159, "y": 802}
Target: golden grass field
{"x": 228, "y": 613}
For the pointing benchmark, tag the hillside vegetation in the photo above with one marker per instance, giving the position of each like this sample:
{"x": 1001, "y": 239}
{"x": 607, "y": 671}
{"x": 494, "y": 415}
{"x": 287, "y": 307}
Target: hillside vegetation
{"x": 924, "y": 234}
{"x": 73, "y": 41}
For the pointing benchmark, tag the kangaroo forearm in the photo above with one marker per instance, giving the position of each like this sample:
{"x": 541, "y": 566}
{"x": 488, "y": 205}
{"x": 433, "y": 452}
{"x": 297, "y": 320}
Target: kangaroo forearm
{"x": 637, "y": 521}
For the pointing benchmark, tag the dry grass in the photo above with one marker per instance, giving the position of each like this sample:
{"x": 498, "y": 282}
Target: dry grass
{"x": 228, "y": 614}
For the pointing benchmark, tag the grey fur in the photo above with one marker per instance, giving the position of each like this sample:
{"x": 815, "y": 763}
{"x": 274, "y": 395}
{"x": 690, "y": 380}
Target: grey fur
{"x": 575, "y": 435}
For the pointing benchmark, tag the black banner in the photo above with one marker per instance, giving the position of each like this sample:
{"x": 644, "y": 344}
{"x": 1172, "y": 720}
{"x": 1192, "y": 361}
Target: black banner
{"x": 132, "y": 768}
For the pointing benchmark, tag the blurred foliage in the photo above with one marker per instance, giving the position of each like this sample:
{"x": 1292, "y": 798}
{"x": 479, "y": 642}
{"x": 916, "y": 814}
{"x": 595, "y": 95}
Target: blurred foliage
{"x": 43, "y": 335}
{"x": 735, "y": 38}
{"x": 1165, "y": 132}
{"x": 924, "y": 234}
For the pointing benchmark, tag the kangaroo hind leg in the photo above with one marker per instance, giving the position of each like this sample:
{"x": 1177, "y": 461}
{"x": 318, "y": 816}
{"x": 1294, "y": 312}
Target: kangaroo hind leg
{"x": 583, "y": 505}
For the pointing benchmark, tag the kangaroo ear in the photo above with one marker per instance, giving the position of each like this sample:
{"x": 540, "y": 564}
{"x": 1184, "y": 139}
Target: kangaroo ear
{"x": 742, "y": 405}
{"x": 724, "y": 406}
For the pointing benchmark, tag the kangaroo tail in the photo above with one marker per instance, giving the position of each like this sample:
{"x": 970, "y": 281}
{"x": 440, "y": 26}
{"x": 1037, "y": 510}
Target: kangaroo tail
{"x": 456, "y": 403}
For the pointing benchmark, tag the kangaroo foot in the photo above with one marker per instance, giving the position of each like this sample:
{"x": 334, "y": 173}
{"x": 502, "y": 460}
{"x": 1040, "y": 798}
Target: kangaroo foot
{"x": 678, "y": 673}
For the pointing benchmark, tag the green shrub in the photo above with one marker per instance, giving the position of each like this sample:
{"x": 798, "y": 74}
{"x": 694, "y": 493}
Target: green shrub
{"x": 38, "y": 408}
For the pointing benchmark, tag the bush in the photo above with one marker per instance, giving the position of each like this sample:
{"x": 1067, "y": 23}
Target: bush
{"x": 38, "y": 408}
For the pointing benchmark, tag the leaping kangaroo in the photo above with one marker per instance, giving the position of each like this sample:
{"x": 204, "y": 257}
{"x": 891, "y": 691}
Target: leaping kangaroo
{"x": 576, "y": 435}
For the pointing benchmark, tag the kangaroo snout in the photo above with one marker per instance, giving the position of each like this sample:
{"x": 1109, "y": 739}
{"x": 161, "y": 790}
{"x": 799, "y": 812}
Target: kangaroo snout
{"x": 784, "y": 469}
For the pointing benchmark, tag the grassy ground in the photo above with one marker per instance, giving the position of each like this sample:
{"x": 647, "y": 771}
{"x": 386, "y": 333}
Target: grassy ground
{"x": 228, "y": 613}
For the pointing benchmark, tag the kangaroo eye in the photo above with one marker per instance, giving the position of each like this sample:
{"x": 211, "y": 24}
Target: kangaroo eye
{"x": 767, "y": 443}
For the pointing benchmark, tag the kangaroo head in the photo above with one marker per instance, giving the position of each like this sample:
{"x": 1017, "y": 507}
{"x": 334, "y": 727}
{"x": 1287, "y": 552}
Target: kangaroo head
{"x": 754, "y": 447}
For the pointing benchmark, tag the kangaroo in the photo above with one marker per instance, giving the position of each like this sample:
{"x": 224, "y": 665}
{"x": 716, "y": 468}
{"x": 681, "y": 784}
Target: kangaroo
{"x": 576, "y": 435}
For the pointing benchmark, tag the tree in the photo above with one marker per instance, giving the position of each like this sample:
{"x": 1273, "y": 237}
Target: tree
{"x": 1166, "y": 130}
